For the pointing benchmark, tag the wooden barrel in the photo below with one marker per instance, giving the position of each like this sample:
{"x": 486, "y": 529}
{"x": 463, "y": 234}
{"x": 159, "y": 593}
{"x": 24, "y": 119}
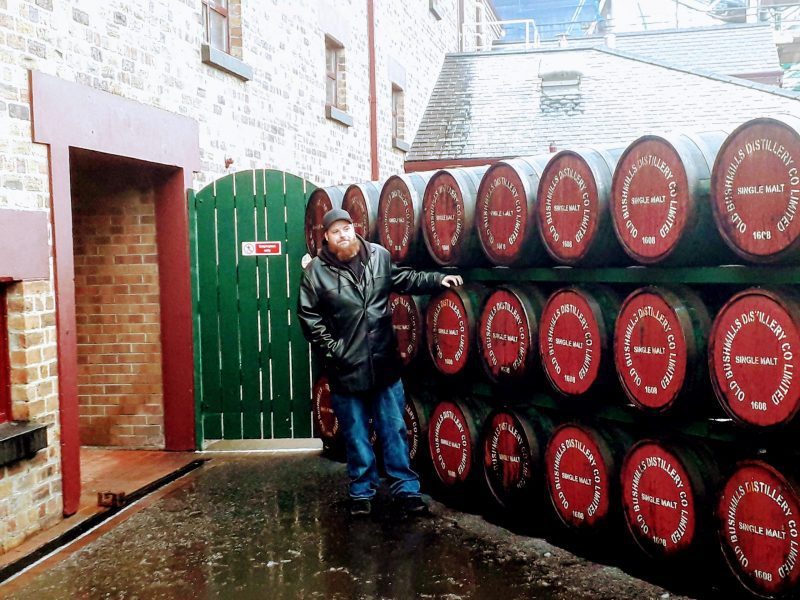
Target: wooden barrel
{"x": 660, "y": 205}
{"x": 450, "y": 325}
{"x": 361, "y": 201}
{"x": 755, "y": 190}
{"x": 506, "y": 213}
{"x": 575, "y": 342}
{"x": 416, "y": 414}
{"x": 407, "y": 321}
{"x": 508, "y": 332}
{"x": 754, "y": 356}
{"x": 573, "y": 208}
{"x": 666, "y": 496}
{"x": 453, "y": 440}
{"x": 513, "y": 447}
{"x": 758, "y": 524}
{"x": 399, "y": 215}
{"x": 326, "y": 425}
{"x": 321, "y": 201}
{"x": 448, "y": 217}
{"x": 582, "y": 463}
{"x": 660, "y": 347}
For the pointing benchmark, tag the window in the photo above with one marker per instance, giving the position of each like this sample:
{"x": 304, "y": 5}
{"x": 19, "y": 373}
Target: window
{"x": 398, "y": 119}
{"x": 222, "y": 45}
{"x": 5, "y": 384}
{"x": 334, "y": 67}
{"x": 215, "y": 21}
{"x": 335, "y": 99}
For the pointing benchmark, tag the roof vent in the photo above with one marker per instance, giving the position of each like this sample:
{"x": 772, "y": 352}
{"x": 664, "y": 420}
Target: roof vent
{"x": 560, "y": 80}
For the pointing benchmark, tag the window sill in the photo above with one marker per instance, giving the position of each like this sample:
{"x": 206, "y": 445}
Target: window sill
{"x": 19, "y": 440}
{"x": 401, "y": 144}
{"x": 225, "y": 62}
{"x": 337, "y": 114}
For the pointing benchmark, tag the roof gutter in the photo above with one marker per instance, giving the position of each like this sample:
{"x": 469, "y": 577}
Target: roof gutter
{"x": 373, "y": 102}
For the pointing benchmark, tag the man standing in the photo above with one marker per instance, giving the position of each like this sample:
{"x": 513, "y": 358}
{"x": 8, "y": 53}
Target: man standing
{"x": 344, "y": 312}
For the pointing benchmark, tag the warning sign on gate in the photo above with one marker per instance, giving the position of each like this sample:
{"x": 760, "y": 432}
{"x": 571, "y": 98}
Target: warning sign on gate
{"x": 261, "y": 248}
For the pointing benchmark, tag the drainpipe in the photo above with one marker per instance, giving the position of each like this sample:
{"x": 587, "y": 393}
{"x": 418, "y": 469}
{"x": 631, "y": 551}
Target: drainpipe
{"x": 373, "y": 101}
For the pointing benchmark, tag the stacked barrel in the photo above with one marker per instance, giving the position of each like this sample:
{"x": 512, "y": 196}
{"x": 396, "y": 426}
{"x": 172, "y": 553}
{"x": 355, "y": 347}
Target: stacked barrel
{"x": 632, "y": 355}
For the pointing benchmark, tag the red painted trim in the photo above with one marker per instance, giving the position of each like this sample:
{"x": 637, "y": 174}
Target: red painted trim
{"x": 5, "y": 375}
{"x": 373, "y": 100}
{"x": 172, "y": 234}
{"x": 447, "y": 163}
{"x": 68, "y": 115}
{"x": 64, "y": 264}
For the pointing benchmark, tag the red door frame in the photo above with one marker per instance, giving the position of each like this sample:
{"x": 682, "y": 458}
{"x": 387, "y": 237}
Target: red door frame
{"x": 66, "y": 115}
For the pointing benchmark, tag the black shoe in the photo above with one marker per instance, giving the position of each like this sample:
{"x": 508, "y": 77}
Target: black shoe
{"x": 360, "y": 507}
{"x": 414, "y": 505}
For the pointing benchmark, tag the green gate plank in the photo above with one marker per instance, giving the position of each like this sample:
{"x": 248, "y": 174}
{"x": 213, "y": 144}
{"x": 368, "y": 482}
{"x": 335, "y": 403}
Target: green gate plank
{"x": 207, "y": 285}
{"x": 248, "y": 306}
{"x": 278, "y": 308}
{"x": 297, "y": 192}
{"x": 263, "y": 307}
{"x": 198, "y": 389}
{"x": 227, "y": 254}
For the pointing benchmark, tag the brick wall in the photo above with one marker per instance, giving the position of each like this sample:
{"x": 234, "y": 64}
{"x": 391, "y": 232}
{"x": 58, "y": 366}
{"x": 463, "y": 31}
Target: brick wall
{"x": 30, "y": 490}
{"x": 117, "y": 311}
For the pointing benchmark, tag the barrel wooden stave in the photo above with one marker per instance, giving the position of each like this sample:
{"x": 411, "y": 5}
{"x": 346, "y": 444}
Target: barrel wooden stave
{"x": 575, "y": 344}
{"x": 508, "y": 333}
{"x": 450, "y": 327}
{"x": 660, "y": 343}
{"x": 505, "y": 213}
{"x": 416, "y": 413}
{"x": 512, "y": 443}
{"x": 573, "y": 214}
{"x": 399, "y": 217}
{"x": 320, "y": 201}
{"x": 660, "y": 205}
{"x": 757, "y": 525}
{"x": 408, "y": 322}
{"x": 326, "y": 425}
{"x": 582, "y": 464}
{"x": 666, "y": 496}
{"x": 448, "y": 217}
{"x": 361, "y": 201}
{"x": 754, "y": 356}
{"x": 755, "y": 190}
{"x": 454, "y": 440}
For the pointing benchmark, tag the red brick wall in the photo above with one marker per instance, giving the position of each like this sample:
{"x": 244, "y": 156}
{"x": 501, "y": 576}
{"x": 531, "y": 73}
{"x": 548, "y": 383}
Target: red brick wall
{"x": 117, "y": 312}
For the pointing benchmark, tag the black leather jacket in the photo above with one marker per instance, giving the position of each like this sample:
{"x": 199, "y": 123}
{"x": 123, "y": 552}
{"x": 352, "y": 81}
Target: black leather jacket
{"x": 348, "y": 322}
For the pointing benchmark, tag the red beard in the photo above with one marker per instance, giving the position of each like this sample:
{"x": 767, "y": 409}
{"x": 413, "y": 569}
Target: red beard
{"x": 345, "y": 253}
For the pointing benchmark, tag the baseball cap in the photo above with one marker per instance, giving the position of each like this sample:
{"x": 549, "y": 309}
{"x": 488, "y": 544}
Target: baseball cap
{"x": 333, "y": 215}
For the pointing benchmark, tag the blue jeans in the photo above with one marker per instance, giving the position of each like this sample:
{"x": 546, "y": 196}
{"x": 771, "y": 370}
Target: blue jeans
{"x": 386, "y": 409}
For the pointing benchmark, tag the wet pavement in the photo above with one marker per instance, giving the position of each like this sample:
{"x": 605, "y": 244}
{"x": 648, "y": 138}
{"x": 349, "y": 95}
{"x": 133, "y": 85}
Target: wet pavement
{"x": 277, "y": 527}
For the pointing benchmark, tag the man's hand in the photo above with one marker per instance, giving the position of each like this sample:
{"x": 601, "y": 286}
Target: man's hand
{"x": 452, "y": 281}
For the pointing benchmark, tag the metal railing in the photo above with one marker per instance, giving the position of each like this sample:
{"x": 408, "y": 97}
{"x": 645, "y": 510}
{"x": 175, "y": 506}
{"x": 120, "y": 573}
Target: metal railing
{"x": 486, "y": 33}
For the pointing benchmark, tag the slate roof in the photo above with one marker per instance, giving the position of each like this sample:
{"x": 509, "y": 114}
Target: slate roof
{"x": 727, "y": 50}
{"x": 490, "y": 104}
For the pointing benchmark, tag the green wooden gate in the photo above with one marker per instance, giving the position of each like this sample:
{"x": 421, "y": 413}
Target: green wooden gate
{"x": 252, "y": 368}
